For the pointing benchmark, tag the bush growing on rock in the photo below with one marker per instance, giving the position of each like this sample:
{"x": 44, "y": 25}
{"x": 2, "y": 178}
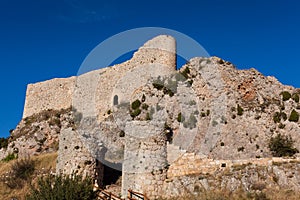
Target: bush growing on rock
{"x": 282, "y": 146}
{"x": 180, "y": 117}
{"x": 295, "y": 97}
{"x": 136, "y": 104}
{"x": 135, "y": 113}
{"x": 285, "y": 95}
{"x": 294, "y": 117}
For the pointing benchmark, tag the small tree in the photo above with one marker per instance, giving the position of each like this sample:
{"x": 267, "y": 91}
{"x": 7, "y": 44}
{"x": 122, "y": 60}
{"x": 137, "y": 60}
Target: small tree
{"x": 282, "y": 146}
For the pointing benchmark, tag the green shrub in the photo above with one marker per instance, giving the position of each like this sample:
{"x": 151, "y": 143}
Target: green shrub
{"x": 145, "y": 106}
{"x": 285, "y": 95}
{"x": 240, "y": 110}
{"x": 62, "y": 187}
{"x": 180, "y": 117}
{"x": 295, "y": 97}
{"x": 135, "y": 113}
{"x": 294, "y": 117}
{"x": 136, "y": 104}
{"x": 9, "y": 157}
{"x": 3, "y": 143}
{"x": 282, "y": 146}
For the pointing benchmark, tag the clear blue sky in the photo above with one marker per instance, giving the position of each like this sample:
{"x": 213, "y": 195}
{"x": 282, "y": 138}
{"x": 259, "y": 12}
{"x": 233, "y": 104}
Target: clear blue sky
{"x": 44, "y": 39}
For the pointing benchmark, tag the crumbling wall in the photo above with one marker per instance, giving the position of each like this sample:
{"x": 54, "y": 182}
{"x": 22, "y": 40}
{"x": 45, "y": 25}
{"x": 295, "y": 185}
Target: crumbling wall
{"x": 55, "y": 94}
{"x": 74, "y": 158}
{"x": 145, "y": 159}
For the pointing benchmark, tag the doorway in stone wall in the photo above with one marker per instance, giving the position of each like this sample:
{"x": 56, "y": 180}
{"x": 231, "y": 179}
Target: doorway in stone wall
{"x": 111, "y": 176}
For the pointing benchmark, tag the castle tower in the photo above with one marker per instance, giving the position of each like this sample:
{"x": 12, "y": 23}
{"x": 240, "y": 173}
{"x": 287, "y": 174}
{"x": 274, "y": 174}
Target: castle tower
{"x": 157, "y": 57}
{"x": 145, "y": 159}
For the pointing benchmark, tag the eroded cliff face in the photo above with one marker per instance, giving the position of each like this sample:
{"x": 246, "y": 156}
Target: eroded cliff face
{"x": 213, "y": 116}
{"x": 225, "y": 113}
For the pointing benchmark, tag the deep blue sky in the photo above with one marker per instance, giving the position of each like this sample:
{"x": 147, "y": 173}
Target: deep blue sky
{"x": 40, "y": 40}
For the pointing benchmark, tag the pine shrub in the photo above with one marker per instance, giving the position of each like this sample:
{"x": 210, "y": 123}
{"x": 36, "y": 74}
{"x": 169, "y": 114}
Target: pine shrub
{"x": 282, "y": 146}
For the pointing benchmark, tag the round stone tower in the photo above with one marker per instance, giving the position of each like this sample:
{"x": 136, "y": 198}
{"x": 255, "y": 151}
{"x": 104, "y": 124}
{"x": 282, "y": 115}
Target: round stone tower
{"x": 145, "y": 158}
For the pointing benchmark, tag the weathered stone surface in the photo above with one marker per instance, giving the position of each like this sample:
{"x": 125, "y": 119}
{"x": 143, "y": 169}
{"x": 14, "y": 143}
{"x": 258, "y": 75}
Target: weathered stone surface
{"x": 204, "y": 126}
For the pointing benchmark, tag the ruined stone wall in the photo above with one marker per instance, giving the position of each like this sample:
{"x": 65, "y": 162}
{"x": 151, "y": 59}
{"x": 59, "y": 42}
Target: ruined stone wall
{"x": 191, "y": 163}
{"x": 191, "y": 175}
{"x": 145, "y": 159}
{"x": 93, "y": 96}
{"x": 53, "y": 94}
{"x": 96, "y": 90}
{"x": 74, "y": 158}
{"x": 92, "y": 93}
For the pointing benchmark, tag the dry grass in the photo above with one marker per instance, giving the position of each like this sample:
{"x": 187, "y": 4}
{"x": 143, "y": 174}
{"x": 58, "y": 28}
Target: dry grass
{"x": 43, "y": 163}
{"x": 270, "y": 194}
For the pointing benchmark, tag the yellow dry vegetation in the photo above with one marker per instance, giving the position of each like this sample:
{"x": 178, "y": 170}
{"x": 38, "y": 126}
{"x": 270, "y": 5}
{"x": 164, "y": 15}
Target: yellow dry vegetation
{"x": 267, "y": 194}
{"x": 43, "y": 163}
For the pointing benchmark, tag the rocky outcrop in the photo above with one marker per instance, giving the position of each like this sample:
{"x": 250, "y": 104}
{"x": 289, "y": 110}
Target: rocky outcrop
{"x": 38, "y": 133}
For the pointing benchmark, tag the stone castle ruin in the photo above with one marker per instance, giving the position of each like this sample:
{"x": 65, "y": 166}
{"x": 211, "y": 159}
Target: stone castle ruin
{"x": 97, "y": 96}
{"x": 161, "y": 129}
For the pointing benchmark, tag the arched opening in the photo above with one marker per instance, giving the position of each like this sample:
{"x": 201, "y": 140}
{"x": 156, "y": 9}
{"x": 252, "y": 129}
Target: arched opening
{"x": 111, "y": 176}
{"x": 115, "y": 100}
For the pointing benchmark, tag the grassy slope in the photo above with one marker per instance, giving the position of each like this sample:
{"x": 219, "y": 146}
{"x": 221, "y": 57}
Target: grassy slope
{"x": 43, "y": 163}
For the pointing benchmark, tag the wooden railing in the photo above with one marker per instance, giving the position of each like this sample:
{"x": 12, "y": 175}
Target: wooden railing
{"x": 107, "y": 195}
{"x": 132, "y": 195}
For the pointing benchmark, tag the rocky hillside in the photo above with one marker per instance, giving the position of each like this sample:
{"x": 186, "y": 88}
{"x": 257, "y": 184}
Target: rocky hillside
{"x": 218, "y": 111}
{"x": 38, "y": 133}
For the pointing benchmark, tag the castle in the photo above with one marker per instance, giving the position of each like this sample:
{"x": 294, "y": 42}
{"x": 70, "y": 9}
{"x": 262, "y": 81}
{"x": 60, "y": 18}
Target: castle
{"x": 162, "y": 127}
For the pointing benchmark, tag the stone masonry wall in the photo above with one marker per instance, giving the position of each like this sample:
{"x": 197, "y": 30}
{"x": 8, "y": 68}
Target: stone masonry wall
{"x": 145, "y": 159}
{"x": 191, "y": 175}
{"x": 92, "y": 93}
{"x": 53, "y": 94}
{"x": 190, "y": 163}
{"x": 74, "y": 158}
